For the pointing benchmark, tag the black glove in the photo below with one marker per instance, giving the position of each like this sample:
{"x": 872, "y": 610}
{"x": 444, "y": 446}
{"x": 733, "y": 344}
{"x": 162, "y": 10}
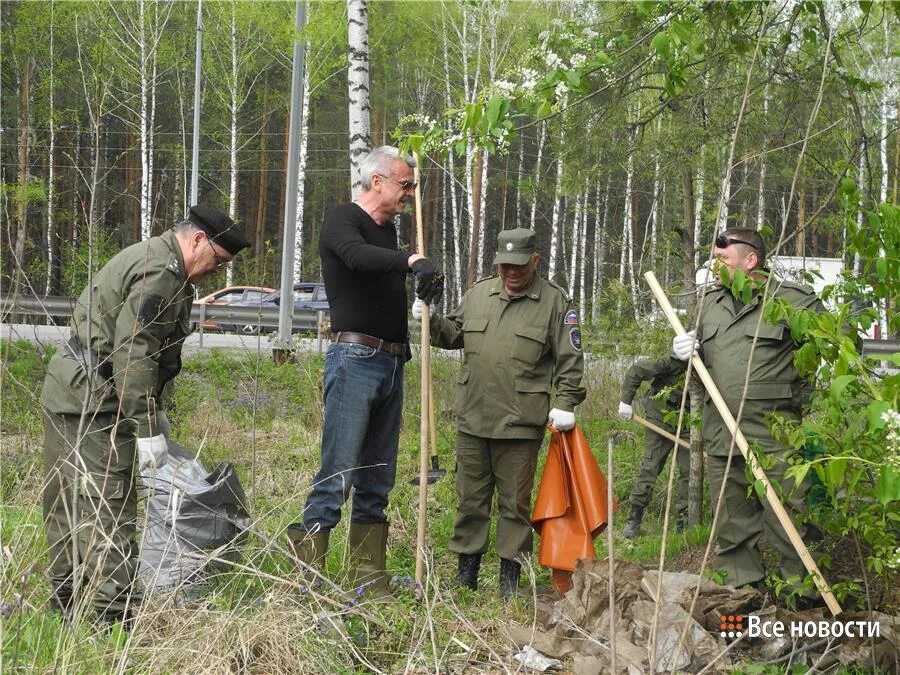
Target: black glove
{"x": 429, "y": 281}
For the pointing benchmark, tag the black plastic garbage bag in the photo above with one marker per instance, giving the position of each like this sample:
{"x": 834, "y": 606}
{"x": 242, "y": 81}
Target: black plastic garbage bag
{"x": 195, "y": 521}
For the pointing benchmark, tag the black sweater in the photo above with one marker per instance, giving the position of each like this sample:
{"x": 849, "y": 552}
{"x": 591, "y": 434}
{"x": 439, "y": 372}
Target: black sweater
{"x": 364, "y": 273}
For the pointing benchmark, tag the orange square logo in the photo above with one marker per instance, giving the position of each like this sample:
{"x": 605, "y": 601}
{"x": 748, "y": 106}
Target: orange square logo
{"x": 731, "y": 625}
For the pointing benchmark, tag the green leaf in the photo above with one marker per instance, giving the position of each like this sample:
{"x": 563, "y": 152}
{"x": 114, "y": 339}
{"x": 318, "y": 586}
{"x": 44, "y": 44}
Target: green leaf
{"x": 662, "y": 45}
{"x": 874, "y": 411}
{"x": 881, "y": 267}
{"x": 835, "y": 470}
{"x": 839, "y": 384}
{"x": 887, "y": 487}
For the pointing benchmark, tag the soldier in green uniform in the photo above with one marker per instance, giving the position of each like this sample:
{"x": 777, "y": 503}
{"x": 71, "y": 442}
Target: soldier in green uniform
{"x": 665, "y": 373}
{"x": 522, "y": 348}
{"x": 737, "y": 345}
{"x": 101, "y": 406}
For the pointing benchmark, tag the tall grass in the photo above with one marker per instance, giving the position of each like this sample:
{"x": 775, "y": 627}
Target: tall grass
{"x": 258, "y": 615}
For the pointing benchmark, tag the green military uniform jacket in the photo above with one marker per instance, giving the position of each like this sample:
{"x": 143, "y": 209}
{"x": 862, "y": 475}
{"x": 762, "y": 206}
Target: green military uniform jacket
{"x": 518, "y": 353}
{"x": 127, "y": 332}
{"x": 725, "y": 334}
{"x": 661, "y": 373}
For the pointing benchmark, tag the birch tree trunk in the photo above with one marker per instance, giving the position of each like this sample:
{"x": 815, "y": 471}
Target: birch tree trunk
{"x": 542, "y": 136}
{"x": 50, "y": 240}
{"x": 686, "y": 232}
{"x": 722, "y": 223}
{"x": 557, "y": 201}
{"x": 600, "y": 247}
{"x": 520, "y": 178}
{"x": 233, "y": 109}
{"x": 358, "y": 88}
{"x": 301, "y": 179}
{"x": 761, "y": 192}
{"x": 698, "y": 210}
{"x": 582, "y": 306}
{"x": 573, "y": 261}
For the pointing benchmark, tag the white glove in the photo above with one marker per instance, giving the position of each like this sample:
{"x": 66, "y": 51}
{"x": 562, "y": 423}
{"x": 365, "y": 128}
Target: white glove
{"x": 562, "y": 420}
{"x": 626, "y": 412}
{"x": 152, "y": 452}
{"x": 417, "y": 309}
{"x": 684, "y": 346}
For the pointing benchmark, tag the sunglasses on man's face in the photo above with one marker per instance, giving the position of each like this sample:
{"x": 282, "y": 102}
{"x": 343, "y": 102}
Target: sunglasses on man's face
{"x": 724, "y": 242}
{"x": 405, "y": 185}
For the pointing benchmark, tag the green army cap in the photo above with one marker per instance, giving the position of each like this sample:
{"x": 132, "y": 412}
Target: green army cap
{"x": 514, "y": 247}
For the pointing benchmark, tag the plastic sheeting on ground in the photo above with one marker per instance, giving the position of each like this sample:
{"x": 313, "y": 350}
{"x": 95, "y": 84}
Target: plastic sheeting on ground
{"x": 195, "y": 520}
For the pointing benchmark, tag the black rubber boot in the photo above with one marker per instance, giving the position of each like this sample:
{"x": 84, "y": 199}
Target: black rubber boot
{"x": 61, "y": 600}
{"x": 469, "y": 564}
{"x": 633, "y": 526}
{"x": 509, "y": 578}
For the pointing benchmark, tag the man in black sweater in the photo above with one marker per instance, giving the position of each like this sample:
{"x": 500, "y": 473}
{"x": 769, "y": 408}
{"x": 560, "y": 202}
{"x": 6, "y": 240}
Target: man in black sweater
{"x": 365, "y": 278}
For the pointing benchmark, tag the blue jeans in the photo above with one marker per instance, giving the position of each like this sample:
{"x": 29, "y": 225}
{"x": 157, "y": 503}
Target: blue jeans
{"x": 363, "y": 408}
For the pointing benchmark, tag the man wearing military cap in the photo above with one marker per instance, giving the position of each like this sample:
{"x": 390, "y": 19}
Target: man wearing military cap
{"x": 522, "y": 351}
{"x": 101, "y": 402}
{"x": 751, "y": 360}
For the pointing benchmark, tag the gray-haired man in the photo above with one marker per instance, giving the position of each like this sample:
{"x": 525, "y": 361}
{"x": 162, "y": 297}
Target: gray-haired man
{"x": 365, "y": 278}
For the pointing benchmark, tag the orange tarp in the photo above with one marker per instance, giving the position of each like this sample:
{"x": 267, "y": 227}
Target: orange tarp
{"x": 571, "y": 507}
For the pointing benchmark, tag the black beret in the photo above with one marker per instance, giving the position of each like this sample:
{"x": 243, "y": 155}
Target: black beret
{"x": 219, "y": 227}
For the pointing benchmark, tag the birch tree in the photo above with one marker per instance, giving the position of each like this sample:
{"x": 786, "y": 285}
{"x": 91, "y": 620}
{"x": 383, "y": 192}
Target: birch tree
{"x": 358, "y": 88}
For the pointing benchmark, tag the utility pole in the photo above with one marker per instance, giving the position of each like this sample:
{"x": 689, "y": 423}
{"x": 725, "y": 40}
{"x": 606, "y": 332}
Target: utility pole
{"x": 195, "y": 155}
{"x": 283, "y": 349}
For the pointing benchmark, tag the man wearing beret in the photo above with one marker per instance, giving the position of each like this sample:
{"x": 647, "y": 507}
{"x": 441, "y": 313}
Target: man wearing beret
{"x": 101, "y": 406}
{"x": 365, "y": 278}
{"x": 522, "y": 350}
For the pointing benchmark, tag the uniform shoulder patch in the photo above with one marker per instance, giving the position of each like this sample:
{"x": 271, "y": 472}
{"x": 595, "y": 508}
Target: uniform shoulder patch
{"x": 571, "y": 318}
{"x": 151, "y": 308}
{"x": 575, "y": 338}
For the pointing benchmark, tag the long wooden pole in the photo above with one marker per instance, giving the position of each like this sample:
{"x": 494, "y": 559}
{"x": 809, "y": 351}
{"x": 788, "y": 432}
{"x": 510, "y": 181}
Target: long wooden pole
{"x": 425, "y": 364}
{"x": 662, "y": 432}
{"x": 742, "y": 444}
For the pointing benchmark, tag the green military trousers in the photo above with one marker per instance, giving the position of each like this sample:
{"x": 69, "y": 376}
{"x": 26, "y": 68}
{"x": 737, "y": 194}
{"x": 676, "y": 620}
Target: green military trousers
{"x": 90, "y": 510}
{"x": 743, "y": 519}
{"x": 656, "y": 452}
{"x": 481, "y": 465}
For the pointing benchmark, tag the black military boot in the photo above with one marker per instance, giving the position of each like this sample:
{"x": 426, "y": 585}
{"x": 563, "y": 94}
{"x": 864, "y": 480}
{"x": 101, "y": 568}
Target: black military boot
{"x": 633, "y": 526}
{"x": 61, "y": 600}
{"x": 469, "y": 564}
{"x": 509, "y": 578}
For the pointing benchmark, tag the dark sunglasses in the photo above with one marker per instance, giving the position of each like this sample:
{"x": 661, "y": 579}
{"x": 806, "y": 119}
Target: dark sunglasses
{"x": 404, "y": 184}
{"x": 724, "y": 242}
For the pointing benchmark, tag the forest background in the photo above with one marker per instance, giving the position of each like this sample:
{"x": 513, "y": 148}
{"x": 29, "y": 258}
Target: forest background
{"x": 626, "y": 134}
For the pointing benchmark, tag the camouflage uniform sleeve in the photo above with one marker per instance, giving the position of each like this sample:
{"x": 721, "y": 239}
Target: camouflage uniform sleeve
{"x": 147, "y": 317}
{"x": 446, "y": 331}
{"x": 568, "y": 357}
{"x": 641, "y": 371}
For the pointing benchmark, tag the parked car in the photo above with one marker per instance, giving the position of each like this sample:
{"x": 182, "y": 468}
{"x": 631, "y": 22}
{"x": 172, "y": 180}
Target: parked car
{"x": 232, "y": 295}
{"x": 309, "y": 300}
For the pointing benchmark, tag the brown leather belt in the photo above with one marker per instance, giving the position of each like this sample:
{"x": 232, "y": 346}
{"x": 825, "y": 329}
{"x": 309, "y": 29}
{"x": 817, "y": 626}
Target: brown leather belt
{"x": 394, "y": 348}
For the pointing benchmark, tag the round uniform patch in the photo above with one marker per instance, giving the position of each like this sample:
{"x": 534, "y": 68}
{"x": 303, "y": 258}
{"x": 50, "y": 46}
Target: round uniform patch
{"x": 571, "y": 318}
{"x": 575, "y": 338}
{"x": 509, "y": 246}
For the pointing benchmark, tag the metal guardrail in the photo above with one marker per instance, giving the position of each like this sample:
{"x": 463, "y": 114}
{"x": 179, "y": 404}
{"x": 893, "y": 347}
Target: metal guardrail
{"x": 200, "y": 313}
{"x": 874, "y": 348}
